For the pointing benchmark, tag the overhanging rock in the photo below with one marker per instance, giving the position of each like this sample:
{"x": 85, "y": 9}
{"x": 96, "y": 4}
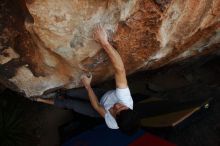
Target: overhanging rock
{"x": 48, "y": 44}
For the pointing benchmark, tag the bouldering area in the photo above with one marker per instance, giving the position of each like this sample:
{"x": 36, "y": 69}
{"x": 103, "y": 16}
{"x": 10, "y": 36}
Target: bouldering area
{"x": 40, "y": 124}
{"x": 171, "y": 54}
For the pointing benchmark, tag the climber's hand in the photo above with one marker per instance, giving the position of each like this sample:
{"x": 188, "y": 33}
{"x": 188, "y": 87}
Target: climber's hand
{"x": 100, "y": 35}
{"x": 86, "y": 79}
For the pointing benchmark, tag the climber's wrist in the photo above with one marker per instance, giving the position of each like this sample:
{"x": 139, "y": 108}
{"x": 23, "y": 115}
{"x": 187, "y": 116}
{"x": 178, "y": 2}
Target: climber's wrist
{"x": 87, "y": 86}
{"x": 104, "y": 42}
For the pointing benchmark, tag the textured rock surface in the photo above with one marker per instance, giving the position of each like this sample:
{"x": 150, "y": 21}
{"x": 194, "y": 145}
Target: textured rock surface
{"x": 47, "y": 44}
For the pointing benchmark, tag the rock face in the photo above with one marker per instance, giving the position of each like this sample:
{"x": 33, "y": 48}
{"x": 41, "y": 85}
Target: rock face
{"x": 47, "y": 44}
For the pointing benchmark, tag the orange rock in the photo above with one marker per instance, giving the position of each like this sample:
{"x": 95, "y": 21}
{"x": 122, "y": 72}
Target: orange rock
{"x": 47, "y": 45}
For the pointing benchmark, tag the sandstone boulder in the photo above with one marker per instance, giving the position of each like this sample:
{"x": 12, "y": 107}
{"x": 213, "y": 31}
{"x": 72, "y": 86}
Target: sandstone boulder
{"x": 48, "y": 44}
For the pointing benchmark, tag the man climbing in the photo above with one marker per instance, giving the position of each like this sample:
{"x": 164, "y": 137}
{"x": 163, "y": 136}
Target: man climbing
{"x": 115, "y": 106}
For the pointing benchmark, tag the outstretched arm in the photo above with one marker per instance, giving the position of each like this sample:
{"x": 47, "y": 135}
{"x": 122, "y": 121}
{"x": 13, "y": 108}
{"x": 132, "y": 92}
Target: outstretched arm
{"x": 92, "y": 97}
{"x": 120, "y": 74}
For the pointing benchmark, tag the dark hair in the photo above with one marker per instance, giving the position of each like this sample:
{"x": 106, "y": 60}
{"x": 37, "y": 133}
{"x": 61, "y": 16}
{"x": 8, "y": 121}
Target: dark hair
{"x": 128, "y": 121}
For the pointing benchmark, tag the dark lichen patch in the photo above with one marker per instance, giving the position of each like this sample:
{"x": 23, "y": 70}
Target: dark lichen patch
{"x": 11, "y": 23}
{"x": 162, "y": 4}
{"x": 100, "y": 59}
{"x": 5, "y": 54}
{"x": 77, "y": 41}
{"x": 9, "y": 69}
